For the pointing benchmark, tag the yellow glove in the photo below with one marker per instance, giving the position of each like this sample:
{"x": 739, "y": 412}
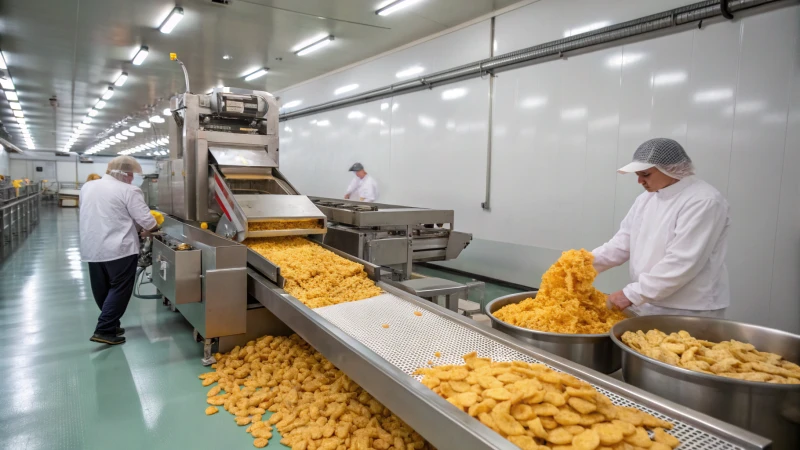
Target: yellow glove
{"x": 158, "y": 216}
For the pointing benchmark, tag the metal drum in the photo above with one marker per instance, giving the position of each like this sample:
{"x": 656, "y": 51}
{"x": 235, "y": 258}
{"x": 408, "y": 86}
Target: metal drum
{"x": 771, "y": 410}
{"x": 595, "y": 351}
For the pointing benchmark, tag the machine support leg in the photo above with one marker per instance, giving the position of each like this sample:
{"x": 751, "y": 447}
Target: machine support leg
{"x": 451, "y": 302}
{"x": 208, "y": 356}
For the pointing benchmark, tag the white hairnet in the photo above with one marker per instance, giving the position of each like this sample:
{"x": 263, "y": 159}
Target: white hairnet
{"x": 667, "y": 156}
{"x": 123, "y": 166}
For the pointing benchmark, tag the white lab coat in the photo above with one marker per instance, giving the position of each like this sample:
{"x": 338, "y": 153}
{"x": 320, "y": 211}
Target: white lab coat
{"x": 109, "y": 210}
{"x": 676, "y": 241}
{"x": 363, "y": 189}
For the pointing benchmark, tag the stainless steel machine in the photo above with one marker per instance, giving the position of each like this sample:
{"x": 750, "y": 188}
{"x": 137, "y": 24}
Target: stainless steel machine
{"x": 222, "y": 184}
{"x": 392, "y": 236}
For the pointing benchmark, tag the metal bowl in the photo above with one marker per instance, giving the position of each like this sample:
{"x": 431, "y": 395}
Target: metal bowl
{"x": 771, "y": 410}
{"x": 595, "y": 351}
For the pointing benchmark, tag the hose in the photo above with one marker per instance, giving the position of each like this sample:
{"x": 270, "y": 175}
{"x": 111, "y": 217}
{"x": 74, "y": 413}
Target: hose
{"x": 137, "y": 284}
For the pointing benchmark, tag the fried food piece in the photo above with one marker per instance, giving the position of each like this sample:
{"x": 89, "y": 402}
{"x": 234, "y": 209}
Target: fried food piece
{"x": 260, "y": 442}
{"x": 610, "y": 433}
{"x": 581, "y": 405}
{"x": 418, "y": 313}
{"x": 665, "y": 438}
{"x": 630, "y": 415}
{"x": 386, "y": 325}
{"x": 588, "y": 440}
{"x": 639, "y": 439}
{"x": 499, "y": 394}
{"x": 524, "y": 442}
{"x": 559, "y": 436}
{"x": 626, "y": 428}
{"x": 537, "y": 428}
{"x": 566, "y": 301}
{"x": 567, "y": 417}
{"x": 211, "y": 410}
{"x": 507, "y": 424}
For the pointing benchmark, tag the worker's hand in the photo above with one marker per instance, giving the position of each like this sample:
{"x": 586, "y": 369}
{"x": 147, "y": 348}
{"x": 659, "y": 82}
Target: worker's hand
{"x": 618, "y": 300}
{"x": 144, "y": 234}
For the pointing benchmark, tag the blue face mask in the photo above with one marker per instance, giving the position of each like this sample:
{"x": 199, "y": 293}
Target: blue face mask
{"x": 138, "y": 179}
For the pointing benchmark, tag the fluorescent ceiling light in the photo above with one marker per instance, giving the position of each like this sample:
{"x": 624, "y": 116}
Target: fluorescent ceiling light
{"x": 409, "y": 72}
{"x": 258, "y": 73}
{"x": 87, "y": 120}
{"x": 6, "y": 83}
{"x": 121, "y": 137}
{"x": 100, "y": 104}
{"x": 121, "y": 79}
{"x": 127, "y": 133}
{"x": 343, "y": 89}
{"x": 148, "y": 154}
{"x": 157, "y": 119}
{"x": 18, "y": 113}
{"x": 11, "y": 96}
{"x": 136, "y": 129}
{"x": 452, "y": 94}
{"x": 314, "y": 46}
{"x": 141, "y": 55}
{"x": 174, "y": 17}
{"x": 92, "y": 112}
{"x": 21, "y": 121}
{"x": 3, "y": 64}
{"x": 108, "y": 93}
{"x": 394, "y": 7}
{"x": 292, "y": 104}
{"x": 14, "y": 105}
{"x": 167, "y": 112}
{"x": 144, "y": 124}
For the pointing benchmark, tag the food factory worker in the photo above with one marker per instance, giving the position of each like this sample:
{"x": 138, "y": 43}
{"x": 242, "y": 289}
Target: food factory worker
{"x": 674, "y": 236}
{"x": 363, "y": 187}
{"x": 92, "y": 177}
{"x": 110, "y": 210}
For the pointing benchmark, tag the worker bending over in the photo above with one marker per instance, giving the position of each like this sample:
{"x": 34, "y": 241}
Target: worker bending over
{"x": 675, "y": 237}
{"x": 110, "y": 210}
{"x": 363, "y": 187}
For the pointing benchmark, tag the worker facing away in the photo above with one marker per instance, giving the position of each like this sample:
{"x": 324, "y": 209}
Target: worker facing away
{"x": 674, "y": 236}
{"x": 363, "y": 187}
{"x": 110, "y": 211}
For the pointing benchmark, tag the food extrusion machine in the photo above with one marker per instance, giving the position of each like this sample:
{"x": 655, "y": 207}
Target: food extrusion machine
{"x": 222, "y": 185}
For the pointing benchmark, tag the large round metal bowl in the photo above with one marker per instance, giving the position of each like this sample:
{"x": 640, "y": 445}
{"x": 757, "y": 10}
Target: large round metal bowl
{"x": 770, "y": 410}
{"x": 595, "y": 351}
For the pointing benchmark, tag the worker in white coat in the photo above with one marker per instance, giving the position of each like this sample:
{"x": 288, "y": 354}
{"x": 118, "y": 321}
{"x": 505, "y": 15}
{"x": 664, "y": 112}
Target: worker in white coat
{"x": 674, "y": 236}
{"x": 110, "y": 211}
{"x": 363, "y": 187}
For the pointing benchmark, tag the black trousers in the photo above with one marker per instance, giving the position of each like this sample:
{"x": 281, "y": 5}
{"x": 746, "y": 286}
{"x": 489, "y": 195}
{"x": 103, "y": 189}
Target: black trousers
{"x": 112, "y": 286}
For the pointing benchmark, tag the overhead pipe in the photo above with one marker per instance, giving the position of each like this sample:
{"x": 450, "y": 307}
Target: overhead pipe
{"x": 695, "y": 12}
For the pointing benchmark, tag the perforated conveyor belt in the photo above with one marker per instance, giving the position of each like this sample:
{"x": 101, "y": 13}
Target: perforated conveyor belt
{"x": 382, "y": 360}
{"x": 410, "y": 342}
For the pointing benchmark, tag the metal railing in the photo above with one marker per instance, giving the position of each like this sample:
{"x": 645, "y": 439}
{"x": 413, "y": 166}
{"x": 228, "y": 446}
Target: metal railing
{"x": 19, "y": 212}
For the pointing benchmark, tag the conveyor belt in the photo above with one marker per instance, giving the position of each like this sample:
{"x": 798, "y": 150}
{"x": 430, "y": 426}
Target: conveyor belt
{"x": 351, "y": 336}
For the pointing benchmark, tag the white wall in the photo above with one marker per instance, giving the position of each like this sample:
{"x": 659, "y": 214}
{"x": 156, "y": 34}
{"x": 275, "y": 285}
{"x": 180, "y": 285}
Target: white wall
{"x": 730, "y": 93}
{"x": 4, "y": 165}
{"x": 63, "y": 169}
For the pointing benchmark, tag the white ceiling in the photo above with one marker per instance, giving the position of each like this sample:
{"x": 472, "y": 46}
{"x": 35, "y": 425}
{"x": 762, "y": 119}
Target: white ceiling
{"x": 73, "y": 49}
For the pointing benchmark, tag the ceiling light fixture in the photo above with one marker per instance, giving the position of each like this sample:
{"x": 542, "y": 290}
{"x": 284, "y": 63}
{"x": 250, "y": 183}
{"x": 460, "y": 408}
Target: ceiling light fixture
{"x": 11, "y": 96}
{"x": 92, "y": 112}
{"x": 100, "y": 104}
{"x": 144, "y": 124}
{"x": 108, "y": 93}
{"x": 121, "y": 79}
{"x": 87, "y": 120}
{"x": 174, "y": 17}
{"x": 136, "y": 129}
{"x": 14, "y": 105}
{"x": 156, "y": 119}
{"x": 167, "y": 112}
{"x": 258, "y": 73}
{"x": 127, "y": 133}
{"x": 6, "y": 83}
{"x": 19, "y": 114}
{"x": 141, "y": 55}
{"x": 314, "y": 46}
{"x": 394, "y": 7}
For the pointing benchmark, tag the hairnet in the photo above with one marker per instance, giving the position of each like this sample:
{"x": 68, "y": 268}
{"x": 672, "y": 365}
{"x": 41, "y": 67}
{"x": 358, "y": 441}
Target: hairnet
{"x": 122, "y": 165}
{"x": 665, "y": 155}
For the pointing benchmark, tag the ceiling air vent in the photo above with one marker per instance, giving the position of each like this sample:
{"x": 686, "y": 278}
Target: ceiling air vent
{"x": 221, "y": 2}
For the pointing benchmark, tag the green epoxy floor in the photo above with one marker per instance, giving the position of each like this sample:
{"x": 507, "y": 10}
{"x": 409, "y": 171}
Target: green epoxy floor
{"x": 61, "y": 391}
